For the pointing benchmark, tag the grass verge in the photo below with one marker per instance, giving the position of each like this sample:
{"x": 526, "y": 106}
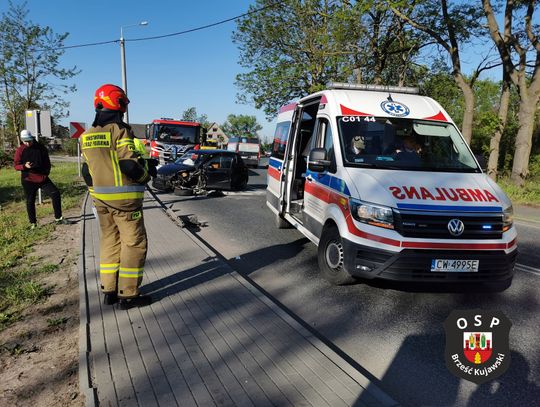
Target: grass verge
{"x": 528, "y": 194}
{"x": 18, "y": 270}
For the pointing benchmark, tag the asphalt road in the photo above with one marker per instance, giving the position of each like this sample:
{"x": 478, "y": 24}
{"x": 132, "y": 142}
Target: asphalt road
{"x": 394, "y": 333}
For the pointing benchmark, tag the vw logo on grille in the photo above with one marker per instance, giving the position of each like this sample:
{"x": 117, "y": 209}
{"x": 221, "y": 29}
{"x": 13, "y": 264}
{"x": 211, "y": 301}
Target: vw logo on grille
{"x": 456, "y": 227}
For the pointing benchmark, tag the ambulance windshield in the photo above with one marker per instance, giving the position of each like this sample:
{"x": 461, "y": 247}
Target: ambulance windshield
{"x": 396, "y": 143}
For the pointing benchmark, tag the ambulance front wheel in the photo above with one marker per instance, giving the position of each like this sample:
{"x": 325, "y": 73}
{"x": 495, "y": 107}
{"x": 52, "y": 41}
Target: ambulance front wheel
{"x": 331, "y": 257}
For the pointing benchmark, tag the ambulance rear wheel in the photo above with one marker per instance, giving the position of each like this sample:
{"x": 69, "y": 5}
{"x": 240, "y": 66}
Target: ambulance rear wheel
{"x": 331, "y": 257}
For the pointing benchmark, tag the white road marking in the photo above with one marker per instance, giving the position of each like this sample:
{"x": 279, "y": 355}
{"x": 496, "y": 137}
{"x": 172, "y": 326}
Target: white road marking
{"x": 530, "y": 223}
{"x": 528, "y": 269}
{"x": 245, "y": 193}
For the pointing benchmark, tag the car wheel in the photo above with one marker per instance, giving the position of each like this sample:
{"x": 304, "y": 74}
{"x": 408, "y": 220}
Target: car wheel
{"x": 331, "y": 256}
{"x": 243, "y": 184}
{"x": 183, "y": 191}
{"x": 239, "y": 184}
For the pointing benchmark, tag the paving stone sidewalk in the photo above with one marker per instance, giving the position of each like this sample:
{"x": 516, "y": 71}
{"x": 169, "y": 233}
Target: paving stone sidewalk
{"x": 210, "y": 338}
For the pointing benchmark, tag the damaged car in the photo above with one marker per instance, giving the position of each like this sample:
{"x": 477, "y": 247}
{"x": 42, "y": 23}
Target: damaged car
{"x": 198, "y": 171}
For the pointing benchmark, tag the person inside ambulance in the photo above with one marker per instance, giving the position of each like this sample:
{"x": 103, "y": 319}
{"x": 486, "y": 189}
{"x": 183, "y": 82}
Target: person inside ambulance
{"x": 409, "y": 153}
{"x": 116, "y": 176}
{"x": 357, "y": 148}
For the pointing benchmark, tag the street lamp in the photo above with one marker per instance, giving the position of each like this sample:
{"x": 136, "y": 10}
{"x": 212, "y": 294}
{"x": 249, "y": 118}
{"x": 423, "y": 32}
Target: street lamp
{"x": 123, "y": 60}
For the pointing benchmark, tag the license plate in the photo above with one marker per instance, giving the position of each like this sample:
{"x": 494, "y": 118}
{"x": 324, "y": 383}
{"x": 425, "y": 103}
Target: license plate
{"x": 458, "y": 266}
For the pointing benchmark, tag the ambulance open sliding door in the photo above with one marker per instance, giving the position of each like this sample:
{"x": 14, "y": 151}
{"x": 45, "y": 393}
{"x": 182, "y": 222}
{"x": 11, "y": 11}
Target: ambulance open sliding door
{"x": 302, "y": 129}
{"x": 288, "y": 163}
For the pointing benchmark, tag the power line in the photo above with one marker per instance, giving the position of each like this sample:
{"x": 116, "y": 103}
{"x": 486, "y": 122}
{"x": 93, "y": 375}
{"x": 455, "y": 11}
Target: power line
{"x": 278, "y": 3}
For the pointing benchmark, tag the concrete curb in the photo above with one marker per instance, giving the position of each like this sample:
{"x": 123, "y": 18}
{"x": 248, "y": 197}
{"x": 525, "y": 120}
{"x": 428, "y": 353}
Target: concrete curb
{"x": 85, "y": 375}
{"x": 374, "y": 391}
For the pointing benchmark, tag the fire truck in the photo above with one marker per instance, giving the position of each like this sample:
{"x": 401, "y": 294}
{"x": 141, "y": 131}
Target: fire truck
{"x": 169, "y": 138}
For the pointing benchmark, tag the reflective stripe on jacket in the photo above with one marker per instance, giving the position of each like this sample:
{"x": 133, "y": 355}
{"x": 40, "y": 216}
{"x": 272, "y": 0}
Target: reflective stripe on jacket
{"x": 103, "y": 149}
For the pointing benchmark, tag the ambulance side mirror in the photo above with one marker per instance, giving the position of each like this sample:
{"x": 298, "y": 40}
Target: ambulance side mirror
{"x": 318, "y": 161}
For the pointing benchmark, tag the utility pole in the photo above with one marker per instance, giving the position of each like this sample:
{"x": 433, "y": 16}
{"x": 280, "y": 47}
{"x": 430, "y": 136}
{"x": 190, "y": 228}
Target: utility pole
{"x": 123, "y": 61}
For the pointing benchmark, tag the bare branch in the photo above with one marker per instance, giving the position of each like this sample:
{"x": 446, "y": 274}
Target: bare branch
{"x": 500, "y": 42}
{"x": 528, "y": 26}
{"x": 423, "y": 28}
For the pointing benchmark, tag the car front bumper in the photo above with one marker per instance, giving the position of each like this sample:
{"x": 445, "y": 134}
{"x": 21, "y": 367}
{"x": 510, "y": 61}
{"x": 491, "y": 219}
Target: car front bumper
{"x": 162, "y": 183}
{"x": 414, "y": 265}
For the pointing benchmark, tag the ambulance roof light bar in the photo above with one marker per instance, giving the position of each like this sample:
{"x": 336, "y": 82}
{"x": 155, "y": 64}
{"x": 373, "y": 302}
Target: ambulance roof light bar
{"x": 376, "y": 88}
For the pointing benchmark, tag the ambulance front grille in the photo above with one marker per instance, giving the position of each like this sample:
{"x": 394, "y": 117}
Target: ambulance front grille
{"x": 434, "y": 225}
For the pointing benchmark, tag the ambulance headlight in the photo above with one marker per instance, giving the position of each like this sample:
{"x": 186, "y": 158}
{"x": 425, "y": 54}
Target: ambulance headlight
{"x": 508, "y": 218}
{"x": 374, "y": 215}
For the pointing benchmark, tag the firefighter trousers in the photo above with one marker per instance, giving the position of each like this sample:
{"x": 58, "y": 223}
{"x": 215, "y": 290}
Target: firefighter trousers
{"x": 122, "y": 250}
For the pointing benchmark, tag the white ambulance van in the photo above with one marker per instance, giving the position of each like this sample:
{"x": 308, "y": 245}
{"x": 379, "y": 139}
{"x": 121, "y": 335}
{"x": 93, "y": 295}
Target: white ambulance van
{"x": 382, "y": 181}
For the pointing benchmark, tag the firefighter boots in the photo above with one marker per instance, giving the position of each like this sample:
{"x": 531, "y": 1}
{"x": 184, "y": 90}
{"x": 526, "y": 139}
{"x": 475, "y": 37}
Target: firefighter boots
{"x": 140, "y": 301}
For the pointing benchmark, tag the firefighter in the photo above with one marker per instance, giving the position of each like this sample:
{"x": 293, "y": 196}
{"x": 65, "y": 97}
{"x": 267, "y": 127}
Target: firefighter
{"x": 116, "y": 176}
{"x": 150, "y": 164}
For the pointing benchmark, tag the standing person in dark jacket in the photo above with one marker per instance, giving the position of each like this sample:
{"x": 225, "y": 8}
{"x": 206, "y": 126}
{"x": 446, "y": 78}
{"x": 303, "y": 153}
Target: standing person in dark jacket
{"x": 32, "y": 159}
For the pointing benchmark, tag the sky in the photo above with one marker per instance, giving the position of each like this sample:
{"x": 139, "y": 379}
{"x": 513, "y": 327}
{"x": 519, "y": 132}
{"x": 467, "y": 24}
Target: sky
{"x": 165, "y": 76}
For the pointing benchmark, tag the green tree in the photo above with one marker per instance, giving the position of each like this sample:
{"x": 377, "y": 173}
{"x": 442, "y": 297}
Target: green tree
{"x": 519, "y": 48}
{"x": 30, "y": 72}
{"x": 190, "y": 115}
{"x": 439, "y": 84}
{"x": 296, "y": 48}
{"x": 381, "y": 48}
{"x": 452, "y": 27}
{"x": 288, "y": 51}
{"x": 241, "y": 125}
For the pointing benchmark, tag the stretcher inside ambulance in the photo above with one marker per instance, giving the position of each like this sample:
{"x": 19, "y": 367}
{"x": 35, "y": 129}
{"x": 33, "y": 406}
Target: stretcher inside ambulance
{"x": 382, "y": 181}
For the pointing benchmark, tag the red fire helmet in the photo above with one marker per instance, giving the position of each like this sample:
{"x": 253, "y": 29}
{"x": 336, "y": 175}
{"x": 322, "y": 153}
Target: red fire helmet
{"x": 110, "y": 97}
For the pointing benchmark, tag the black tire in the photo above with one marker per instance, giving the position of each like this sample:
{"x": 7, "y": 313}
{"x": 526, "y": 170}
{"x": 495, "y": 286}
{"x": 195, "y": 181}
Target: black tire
{"x": 330, "y": 256}
{"x": 183, "y": 192}
{"x": 282, "y": 223}
{"x": 239, "y": 185}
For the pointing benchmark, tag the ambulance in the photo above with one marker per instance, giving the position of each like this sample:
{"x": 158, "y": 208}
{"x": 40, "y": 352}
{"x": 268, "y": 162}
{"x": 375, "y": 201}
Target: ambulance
{"x": 382, "y": 181}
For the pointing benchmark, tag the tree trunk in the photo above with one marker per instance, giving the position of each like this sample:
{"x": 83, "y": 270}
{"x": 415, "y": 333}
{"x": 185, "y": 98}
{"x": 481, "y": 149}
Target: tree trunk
{"x": 520, "y": 167}
{"x": 468, "y": 111}
{"x": 495, "y": 141}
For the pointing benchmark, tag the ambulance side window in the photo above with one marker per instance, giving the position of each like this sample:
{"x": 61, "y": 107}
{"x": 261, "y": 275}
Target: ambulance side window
{"x": 281, "y": 137}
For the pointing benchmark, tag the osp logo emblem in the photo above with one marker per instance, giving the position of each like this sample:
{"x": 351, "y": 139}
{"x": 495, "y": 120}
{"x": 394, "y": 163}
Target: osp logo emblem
{"x": 395, "y": 108}
{"x": 477, "y": 344}
{"x": 456, "y": 227}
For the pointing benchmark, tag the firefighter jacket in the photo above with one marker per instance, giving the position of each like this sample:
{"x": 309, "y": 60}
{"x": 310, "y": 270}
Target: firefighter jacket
{"x": 113, "y": 172}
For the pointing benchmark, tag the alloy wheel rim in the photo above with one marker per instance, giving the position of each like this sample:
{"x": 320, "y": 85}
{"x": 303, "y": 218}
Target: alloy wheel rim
{"x": 334, "y": 255}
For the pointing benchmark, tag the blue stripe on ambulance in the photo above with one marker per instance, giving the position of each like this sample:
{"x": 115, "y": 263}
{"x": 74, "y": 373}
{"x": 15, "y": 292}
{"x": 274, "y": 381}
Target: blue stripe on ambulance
{"x": 335, "y": 183}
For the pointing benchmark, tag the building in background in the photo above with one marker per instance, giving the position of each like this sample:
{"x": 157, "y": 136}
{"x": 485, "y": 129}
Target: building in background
{"x": 217, "y": 136}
